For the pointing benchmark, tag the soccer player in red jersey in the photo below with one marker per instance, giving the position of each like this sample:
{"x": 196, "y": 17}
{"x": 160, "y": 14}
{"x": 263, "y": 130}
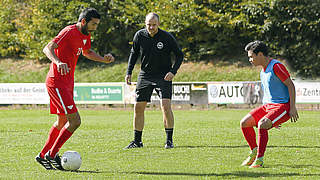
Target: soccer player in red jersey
{"x": 279, "y": 102}
{"x": 64, "y": 51}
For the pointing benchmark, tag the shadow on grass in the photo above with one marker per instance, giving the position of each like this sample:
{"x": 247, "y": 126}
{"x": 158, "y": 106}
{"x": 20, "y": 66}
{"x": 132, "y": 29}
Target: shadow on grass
{"x": 302, "y": 147}
{"x": 88, "y": 171}
{"x": 240, "y": 146}
{"x": 294, "y": 166}
{"x": 231, "y": 174}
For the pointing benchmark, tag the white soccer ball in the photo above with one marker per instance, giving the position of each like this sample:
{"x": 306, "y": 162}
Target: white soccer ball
{"x": 71, "y": 160}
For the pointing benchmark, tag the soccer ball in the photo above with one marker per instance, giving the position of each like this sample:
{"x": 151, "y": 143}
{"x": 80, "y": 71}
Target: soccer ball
{"x": 71, "y": 160}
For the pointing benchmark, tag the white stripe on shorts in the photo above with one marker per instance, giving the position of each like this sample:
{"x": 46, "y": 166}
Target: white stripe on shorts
{"x": 64, "y": 107}
{"x": 279, "y": 117}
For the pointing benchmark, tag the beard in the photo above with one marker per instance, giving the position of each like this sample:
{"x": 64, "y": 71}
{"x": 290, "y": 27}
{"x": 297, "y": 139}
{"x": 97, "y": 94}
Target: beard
{"x": 84, "y": 29}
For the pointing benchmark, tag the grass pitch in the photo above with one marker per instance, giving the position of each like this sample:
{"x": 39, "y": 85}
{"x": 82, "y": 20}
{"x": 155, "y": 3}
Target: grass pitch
{"x": 208, "y": 145}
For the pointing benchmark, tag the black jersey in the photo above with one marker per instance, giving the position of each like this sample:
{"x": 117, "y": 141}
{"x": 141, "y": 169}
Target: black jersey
{"x": 155, "y": 53}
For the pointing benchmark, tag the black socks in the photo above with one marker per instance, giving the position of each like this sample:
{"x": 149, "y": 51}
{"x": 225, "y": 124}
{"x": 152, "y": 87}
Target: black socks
{"x": 169, "y": 132}
{"x": 137, "y": 136}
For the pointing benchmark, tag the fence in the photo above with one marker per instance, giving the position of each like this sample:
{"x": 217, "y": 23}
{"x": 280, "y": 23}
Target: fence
{"x": 196, "y": 93}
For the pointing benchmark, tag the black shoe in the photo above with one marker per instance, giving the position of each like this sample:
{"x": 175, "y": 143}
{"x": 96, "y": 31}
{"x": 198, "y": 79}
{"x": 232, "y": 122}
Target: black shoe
{"x": 134, "y": 144}
{"x": 168, "y": 145}
{"x": 56, "y": 161}
{"x": 45, "y": 163}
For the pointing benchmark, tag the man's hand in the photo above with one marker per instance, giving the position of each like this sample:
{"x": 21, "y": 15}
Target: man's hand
{"x": 128, "y": 79}
{"x": 169, "y": 76}
{"x": 108, "y": 58}
{"x": 62, "y": 68}
{"x": 293, "y": 114}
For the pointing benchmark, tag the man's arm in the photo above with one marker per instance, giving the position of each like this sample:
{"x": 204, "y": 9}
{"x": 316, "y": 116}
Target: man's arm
{"x": 179, "y": 56}
{"x": 178, "y": 59}
{"x": 282, "y": 73}
{"x": 48, "y": 50}
{"x": 134, "y": 54}
{"x": 90, "y": 54}
{"x": 292, "y": 94}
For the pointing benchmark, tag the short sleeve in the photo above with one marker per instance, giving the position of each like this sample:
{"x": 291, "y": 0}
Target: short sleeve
{"x": 63, "y": 36}
{"x": 281, "y": 71}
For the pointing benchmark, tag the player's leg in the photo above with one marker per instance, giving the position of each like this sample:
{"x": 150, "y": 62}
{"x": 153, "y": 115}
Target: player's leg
{"x": 276, "y": 115}
{"x": 168, "y": 121}
{"x": 138, "y": 121}
{"x": 67, "y": 111}
{"x": 53, "y": 134}
{"x": 164, "y": 91}
{"x": 246, "y": 124}
{"x": 263, "y": 126}
{"x": 143, "y": 95}
{"x": 74, "y": 122}
{"x": 54, "y": 131}
{"x": 138, "y": 124}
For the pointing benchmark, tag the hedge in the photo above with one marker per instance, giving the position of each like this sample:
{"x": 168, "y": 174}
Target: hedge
{"x": 206, "y": 30}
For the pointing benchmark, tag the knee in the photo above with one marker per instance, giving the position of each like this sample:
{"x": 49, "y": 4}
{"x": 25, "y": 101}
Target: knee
{"x": 265, "y": 123}
{"x": 139, "y": 108}
{"x": 243, "y": 123}
{"x": 166, "y": 108}
{"x": 61, "y": 121}
{"x": 75, "y": 121}
{"x": 78, "y": 122}
{"x": 247, "y": 121}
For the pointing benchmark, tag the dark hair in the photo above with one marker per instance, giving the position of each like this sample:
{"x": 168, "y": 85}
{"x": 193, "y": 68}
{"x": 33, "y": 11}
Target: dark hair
{"x": 256, "y": 47}
{"x": 88, "y": 14}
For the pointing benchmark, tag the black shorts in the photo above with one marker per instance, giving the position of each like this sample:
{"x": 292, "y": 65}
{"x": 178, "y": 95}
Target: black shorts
{"x": 145, "y": 88}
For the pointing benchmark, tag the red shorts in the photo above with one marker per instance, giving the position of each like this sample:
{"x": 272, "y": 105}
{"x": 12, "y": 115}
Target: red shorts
{"x": 276, "y": 112}
{"x": 61, "y": 100}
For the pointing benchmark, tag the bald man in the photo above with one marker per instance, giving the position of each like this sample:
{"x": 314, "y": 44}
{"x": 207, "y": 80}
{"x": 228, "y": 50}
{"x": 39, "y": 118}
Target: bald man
{"x": 155, "y": 46}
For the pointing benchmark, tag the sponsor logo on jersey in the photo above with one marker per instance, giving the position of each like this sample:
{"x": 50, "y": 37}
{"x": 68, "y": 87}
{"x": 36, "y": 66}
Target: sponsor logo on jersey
{"x": 159, "y": 45}
{"x": 70, "y": 107}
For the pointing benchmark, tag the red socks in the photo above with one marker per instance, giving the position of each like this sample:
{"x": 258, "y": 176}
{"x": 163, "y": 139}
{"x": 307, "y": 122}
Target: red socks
{"x": 262, "y": 142}
{"x": 250, "y": 136}
{"x": 65, "y": 134}
{"x": 53, "y": 134}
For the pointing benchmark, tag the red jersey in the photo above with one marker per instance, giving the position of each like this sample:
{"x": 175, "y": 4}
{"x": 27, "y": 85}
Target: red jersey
{"x": 70, "y": 42}
{"x": 281, "y": 71}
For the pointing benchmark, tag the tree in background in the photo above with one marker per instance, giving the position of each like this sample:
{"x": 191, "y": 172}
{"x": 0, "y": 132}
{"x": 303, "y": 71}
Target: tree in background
{"x": 10, "y": 45}
{"x": 206, "y": 29}
{"x": 294, "y": 31}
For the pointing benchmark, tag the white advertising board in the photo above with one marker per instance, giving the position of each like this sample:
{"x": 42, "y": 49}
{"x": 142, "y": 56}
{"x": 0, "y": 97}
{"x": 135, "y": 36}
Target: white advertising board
{"x": 217, "y": 92}
{"x": 23, "y": 93}
{"x": 307, "y": 92}
{"x": 225, "y": 92}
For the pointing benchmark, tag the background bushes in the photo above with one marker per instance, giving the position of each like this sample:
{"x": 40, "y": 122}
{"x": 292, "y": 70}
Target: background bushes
{"x": 206, "y": 30}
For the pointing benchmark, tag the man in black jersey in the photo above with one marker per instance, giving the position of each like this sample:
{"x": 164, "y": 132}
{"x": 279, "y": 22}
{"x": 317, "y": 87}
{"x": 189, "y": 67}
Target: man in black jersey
{"x": 155, "y": 47}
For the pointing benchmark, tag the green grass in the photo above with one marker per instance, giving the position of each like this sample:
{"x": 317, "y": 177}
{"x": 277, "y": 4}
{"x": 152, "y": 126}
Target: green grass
{"x": 209, "y": 145}
{"x": 29, "y": 71}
